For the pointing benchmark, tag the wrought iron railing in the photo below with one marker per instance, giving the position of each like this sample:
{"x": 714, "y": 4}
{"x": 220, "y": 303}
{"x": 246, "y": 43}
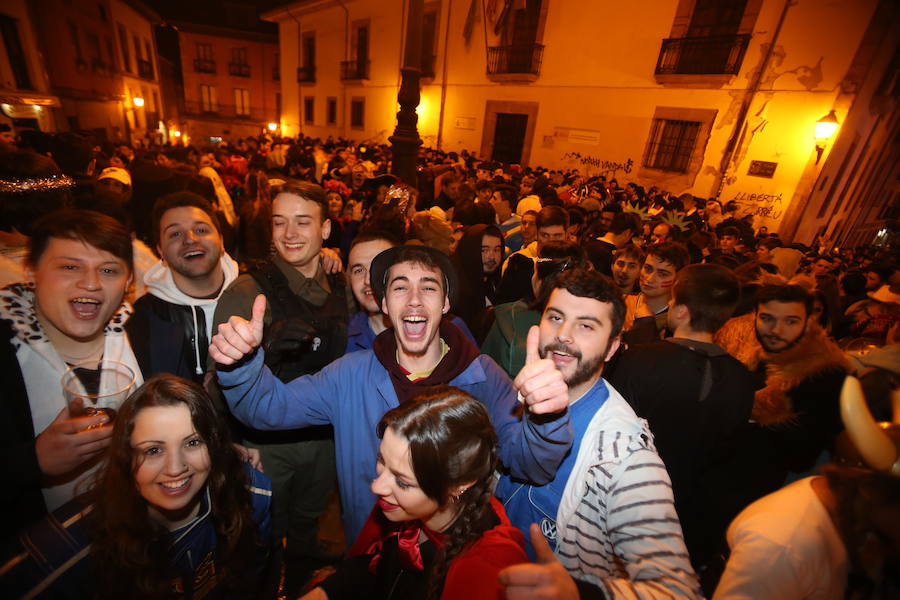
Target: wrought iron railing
{"x": 239, "y": 69}
{"x": 306, "y": 74}
{"x": 521, "y": 58}
{"x": 354, "y": 69}
{"x": 204, "y": 65}
{"x": 716, "y": 55}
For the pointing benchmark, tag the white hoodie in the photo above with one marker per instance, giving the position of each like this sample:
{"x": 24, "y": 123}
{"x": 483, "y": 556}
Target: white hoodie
{"x": 160, "y": 283}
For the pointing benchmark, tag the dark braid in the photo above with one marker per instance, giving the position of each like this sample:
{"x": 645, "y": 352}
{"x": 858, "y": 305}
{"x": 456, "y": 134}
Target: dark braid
{"x": 451, "y": 445}
{"x": 475, "y": 517}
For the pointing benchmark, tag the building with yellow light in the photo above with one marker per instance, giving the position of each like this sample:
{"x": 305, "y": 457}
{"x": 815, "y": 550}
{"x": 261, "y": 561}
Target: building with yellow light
{"x": 717, "y": 98}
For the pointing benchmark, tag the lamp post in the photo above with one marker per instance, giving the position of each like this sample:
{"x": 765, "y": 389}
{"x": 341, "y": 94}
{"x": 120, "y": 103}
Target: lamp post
{"x": 405, "y": 141}
{"x": 825, "y": 128}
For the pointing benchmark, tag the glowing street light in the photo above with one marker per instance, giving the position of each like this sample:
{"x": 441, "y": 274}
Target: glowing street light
{"x": 138, "y": 101}
{"x": 825, "y": 128}
{"x": 176, "y": 133}
{"x": 273, "y": 127}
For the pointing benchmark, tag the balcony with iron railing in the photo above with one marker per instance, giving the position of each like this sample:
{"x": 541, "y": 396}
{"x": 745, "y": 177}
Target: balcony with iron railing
{"x": 714, "y": 57}
{"x": 197, "y": 108}
{"x": 520, "y": 62}
{"x": 145, "y": 69}
{"x": 306, "y": 74}
{"x": 354, "y": 69}
{"x": 239, "y": 69}
{"x": 204, "y": 65}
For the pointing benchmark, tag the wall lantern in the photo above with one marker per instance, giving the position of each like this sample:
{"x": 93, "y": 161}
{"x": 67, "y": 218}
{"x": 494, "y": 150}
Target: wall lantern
{"x": 273, "y": 127}
{"x": 825, "y": 128}
{"x": 138, "y": 101}
{"x": 176, "y": 133}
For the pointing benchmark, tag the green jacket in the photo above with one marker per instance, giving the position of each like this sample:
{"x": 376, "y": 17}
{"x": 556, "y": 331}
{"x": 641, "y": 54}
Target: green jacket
{"x": 505, "y": 342}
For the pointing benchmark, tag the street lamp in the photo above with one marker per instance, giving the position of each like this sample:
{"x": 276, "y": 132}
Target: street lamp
{"x": 825, "y": 128}
{"x": 138, "y": 102}
{"x": 273, "y": 127}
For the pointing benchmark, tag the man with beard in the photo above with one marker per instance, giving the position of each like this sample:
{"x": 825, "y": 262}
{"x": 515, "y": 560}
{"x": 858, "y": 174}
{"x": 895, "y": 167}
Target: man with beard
{"x": 796, "y": 413}
{"x": 170, "y": 328}
{"x": 608, "y": 512}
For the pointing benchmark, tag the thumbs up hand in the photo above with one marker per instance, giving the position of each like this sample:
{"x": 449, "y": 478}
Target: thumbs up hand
{"x": 238, "y": 337}
{"x": 540, "y": 384}
{"x": 545, "y": 579}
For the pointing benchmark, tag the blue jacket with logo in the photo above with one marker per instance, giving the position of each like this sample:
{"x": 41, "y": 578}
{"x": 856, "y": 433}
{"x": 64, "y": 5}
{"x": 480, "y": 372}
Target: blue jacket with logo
{"x": 355, "y": 391}
{"x": 52, "y": 558}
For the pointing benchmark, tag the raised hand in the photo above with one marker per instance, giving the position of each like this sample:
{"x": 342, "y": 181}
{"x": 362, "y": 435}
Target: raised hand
{"x": 546, "y": 579}
{"x": 70, "y": 441}
{"x": 238, "y": 337}
{"x": 540, "y": 384}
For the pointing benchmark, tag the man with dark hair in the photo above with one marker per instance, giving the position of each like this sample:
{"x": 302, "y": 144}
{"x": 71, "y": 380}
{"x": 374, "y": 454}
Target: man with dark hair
{"x": 607, "y": 514}
{"x": 646, "y": 316}
{"x": 623, "y": 227}
{"x": 502, "y": 200}
{"x": 552, "y": 224}
{"x": 626, "y": 267}
{"x": 450, "y": 192}
{"x": 796, "y": 416}
{"x": 171, "y": 325}
{"x": 305, "y": 330}
{"x": 80, "y": 263}
{"x": 370, "y": 321}
{"x": 414, "y": 286}
{"x": 484, "y": 191}
{"x": 694, "y": 395}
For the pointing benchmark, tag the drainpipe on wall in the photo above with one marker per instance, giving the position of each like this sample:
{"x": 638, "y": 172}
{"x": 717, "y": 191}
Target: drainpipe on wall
{"x": 284, "y": 75}
{"x": 440, "y": 133}
{"x": 346, "y": 57}
{"x": 738, "y": 130}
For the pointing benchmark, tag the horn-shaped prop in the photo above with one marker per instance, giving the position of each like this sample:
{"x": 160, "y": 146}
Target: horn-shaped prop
{"x": 872, "y": 441}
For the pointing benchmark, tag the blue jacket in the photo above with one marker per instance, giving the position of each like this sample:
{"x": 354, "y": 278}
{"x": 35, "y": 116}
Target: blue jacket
{"x": 353, "y": 393}
{"x": 52, "y": 559}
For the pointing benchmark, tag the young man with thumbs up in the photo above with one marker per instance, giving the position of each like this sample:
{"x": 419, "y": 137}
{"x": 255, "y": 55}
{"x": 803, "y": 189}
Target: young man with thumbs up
{"x": 608, "y": 512}
{"x": 415, "y": 286}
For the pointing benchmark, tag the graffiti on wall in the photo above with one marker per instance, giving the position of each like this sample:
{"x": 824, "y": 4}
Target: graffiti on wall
{"x": 598, "y": 166}
{"x": 767, "y": 206}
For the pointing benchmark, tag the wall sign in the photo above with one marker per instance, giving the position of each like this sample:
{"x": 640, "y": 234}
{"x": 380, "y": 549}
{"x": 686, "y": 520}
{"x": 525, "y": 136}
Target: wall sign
{"x": 762, "y": 168}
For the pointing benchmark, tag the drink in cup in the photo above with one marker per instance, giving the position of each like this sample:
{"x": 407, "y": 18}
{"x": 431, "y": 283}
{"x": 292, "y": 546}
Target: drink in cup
{"x": 97, "y": 386}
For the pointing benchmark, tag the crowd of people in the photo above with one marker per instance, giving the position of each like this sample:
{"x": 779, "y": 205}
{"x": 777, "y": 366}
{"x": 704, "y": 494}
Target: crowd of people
{"x": 509, "y": 382}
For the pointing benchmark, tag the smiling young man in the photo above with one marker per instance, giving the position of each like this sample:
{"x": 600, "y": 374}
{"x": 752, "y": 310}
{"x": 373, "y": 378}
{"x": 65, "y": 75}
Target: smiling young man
{"x": 305, "y": 330}
{"x": 645, "y": 316}
{"x": 80, "y": 263}
{"x": 171, "y": 326}
{"x": 608, "y": 511}
{"x": 414, "y": 286}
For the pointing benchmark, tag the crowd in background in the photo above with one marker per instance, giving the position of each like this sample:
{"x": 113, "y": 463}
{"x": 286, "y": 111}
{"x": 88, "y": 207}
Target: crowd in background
{"x": 761, "y": 385}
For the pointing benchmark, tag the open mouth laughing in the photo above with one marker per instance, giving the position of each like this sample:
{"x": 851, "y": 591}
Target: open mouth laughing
{"x": 85, "y": 307}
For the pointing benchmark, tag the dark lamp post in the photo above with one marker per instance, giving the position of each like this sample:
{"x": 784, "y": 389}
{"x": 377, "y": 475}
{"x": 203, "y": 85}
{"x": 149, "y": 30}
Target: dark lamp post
{"x": 405, "y": 141}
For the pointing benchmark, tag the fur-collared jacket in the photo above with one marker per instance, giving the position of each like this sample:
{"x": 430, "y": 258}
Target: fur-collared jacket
{"x": 813, "y": 356}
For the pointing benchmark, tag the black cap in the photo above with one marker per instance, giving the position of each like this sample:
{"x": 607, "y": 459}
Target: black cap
{"x": 382, "y": 263}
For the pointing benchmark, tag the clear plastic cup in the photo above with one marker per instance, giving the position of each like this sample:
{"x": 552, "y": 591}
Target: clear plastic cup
{"x": 97, "y": 386}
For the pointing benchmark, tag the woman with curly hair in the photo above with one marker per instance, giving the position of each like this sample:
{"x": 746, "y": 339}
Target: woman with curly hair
{"x": 173, "y": 513}
{"x": 436, "y": 531}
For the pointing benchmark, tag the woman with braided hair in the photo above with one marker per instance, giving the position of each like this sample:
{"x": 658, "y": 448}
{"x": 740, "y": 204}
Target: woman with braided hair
{"x": 436, "y": 531}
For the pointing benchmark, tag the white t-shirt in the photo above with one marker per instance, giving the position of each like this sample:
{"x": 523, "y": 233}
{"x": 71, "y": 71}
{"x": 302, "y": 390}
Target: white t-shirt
{"x": 784, "y": 546}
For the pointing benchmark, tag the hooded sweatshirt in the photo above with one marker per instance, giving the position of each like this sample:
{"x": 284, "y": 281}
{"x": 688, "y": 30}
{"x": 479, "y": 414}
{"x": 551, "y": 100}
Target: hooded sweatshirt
{"x": 160, "y": 284}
